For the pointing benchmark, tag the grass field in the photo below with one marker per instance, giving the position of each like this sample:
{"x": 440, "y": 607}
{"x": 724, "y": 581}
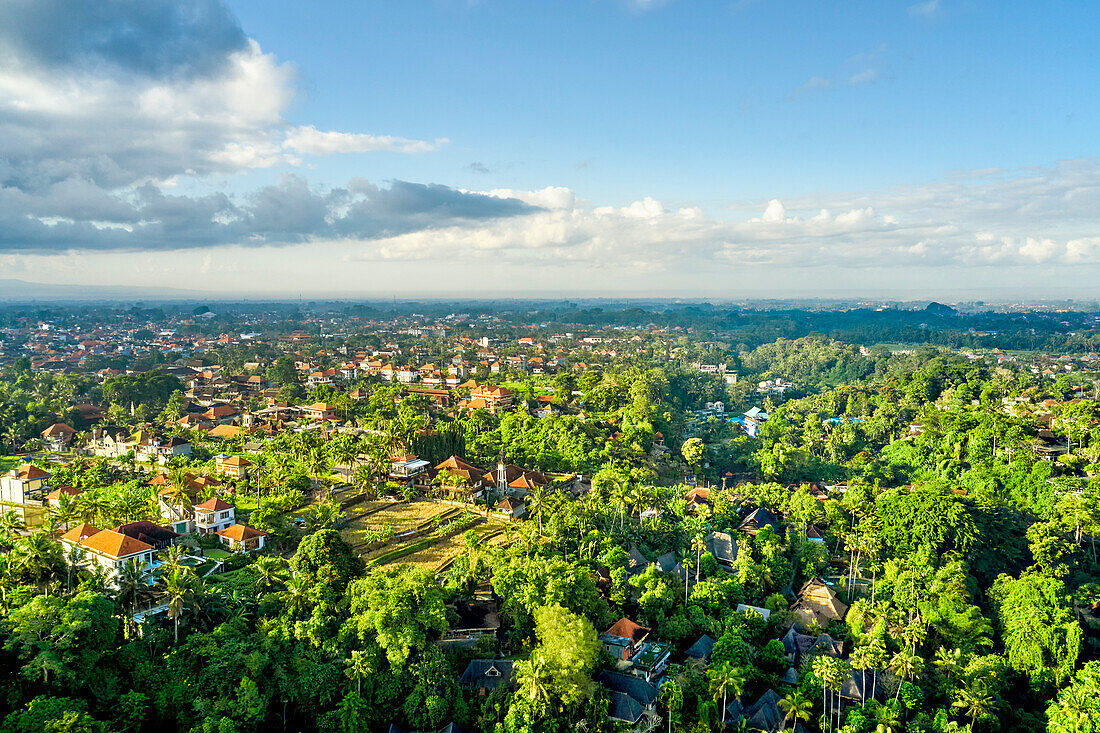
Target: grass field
{"x": 7, "y": 463}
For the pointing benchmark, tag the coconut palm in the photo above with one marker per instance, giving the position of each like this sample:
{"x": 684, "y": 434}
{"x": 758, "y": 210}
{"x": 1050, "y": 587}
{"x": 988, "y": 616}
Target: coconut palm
{"x": 533, "y": 676}
{"x": 179, "y": 592}
{"x": 974, "y": 701}
{"x": 270, "y": 572}
{"x": 358, "y": 667}
{"x": 132, "y": 588}
{"x": 905, "y": 666}
{"x": 861, "y": 658}
{"x": 672, "y": 694}
{"x": 725, "y": 678}
{"x": 37, "y": 557}
{"x": 11, "y": 524}
{"x": 796, "y": 707}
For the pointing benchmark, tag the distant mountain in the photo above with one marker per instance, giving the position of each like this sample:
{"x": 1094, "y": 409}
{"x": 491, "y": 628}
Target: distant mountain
{"x": 21, "y": 290}
{"x": 939, "y": 309}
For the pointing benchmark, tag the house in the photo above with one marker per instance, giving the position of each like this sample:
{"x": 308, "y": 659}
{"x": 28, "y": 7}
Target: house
{"x": 242, "y": 538}
{"x": 757, "y": 519}
{"x": 744, "y": 607}
{"x": 232, "y": 466}
{"x": 107, "y": 549}
{"x": 818, "y": 604}
{"x": 813, "y": 534}
{"x": 764, "y": 714}
{"x": 460, "y": 478}
{"x": 54, "y": 497}
{"x": 701, "y": 649}
{"x": 510, "y": 508}
{"x": 213, "y": 515}
{"x": 58, "y": 437}
{"x": 221, "y": 414}
{"x": 485, "y": 675}
{"x": 624, "y": 639}
{"x": 631, "y": 697}
{"x": 722, "y": 547}
{"x": 319, "y": 411}
{"x": 165, "y": 449}
{"x": 23, "y": 484}
{"x": 407, "y": 467}
{"x": 801, "y": 646}
{"x": 696, "y": 497}
{"x": 224, "y": 432}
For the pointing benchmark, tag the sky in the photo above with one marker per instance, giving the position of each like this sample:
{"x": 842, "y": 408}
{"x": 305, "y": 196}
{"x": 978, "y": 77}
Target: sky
{"x": 579, "y": 147}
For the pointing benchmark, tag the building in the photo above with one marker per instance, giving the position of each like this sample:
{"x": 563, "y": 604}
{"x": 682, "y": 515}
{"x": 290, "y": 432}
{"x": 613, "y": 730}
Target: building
{"x": 58, "y": 437}
{"x": 404, "y": 468}
{"x": 24, "y": 484}
{"x": 232, "y": 466}
{"x": 319, "y": 411}
{"x": 106, "y": 549}
{"x": 242, "y": 538}
{"x": 213, "y": 515}
{"x": 485, "y": 675}
{"x": 818, "y": 604}
{"x": 624, "y": 639}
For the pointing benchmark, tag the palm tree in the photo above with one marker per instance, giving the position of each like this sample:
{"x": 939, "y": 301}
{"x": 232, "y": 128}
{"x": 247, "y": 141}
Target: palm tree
{"x": 67, "y": 509}
{"x": 820, "y": 666}
{"x": 837, "y": 673}
{"x": 534, "y": 680}
{"x": 270, "y": 571}
{"x": 132, "y": 588}
{"x": 796, "y": 707}
{"x": 974, "y": 701}
{"x": 877, "y": 657}
{"x": 537, "y": 499}
{"x": 905, "y": 666}
{"x": 11, "y": 524}
{"x": 296, "y": 595}
{"x": 861, "y": 659}
{"x": 672, "y": 694}
{"x": 358, "y": 667}
{"x": 724, "y": 678}
{"x": 37, "y": 557}
{"x": 178, "y": 591}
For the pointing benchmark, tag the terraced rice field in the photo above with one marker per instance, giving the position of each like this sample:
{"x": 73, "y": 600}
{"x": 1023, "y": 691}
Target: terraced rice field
{"x": 401, "y": 516}
{"x": 443, "y": 552}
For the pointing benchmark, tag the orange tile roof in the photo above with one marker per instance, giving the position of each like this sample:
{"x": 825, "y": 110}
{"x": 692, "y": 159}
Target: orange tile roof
{"x": 214, "y": 505}
{"x": 79, "y": 532}
{"x": 115, "y": 544}
{"x": 240, "y": 533}
{"x": 27, "y": 472}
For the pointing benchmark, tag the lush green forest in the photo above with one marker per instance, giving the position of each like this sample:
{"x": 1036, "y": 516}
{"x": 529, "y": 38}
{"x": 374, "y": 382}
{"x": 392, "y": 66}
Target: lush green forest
{"x": 949, "y": 503}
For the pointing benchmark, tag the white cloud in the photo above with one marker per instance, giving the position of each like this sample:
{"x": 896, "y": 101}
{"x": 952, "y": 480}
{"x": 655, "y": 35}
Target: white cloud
{"x": 1014, "y": 218}
{"x": 309, "y": 140}
{"x": 863, "y": 77}
{"x": 926, "y": 9}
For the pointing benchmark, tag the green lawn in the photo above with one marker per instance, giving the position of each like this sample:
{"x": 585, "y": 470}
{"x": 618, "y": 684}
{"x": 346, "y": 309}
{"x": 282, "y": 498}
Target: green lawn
{"x": 7, "y": 463}
{"x": 218, "y": 554}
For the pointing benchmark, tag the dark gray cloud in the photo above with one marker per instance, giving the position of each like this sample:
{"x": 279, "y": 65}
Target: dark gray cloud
{"x": 149, "y": 37}
{"x": 73, "y": 216}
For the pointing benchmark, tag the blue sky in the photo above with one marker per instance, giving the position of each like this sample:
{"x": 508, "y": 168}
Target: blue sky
{"x": 610, "y": 146}
{"x": 698, "y": 101}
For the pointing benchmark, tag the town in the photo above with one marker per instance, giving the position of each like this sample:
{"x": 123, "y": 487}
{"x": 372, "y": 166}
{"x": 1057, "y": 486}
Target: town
{"x": 532, "y": 517}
